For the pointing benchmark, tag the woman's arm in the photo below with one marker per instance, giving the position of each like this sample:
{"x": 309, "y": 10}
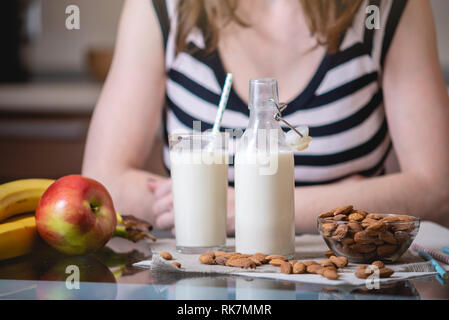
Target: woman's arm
{"x": 127, "y": 115}
{"x": 417, "y": 108}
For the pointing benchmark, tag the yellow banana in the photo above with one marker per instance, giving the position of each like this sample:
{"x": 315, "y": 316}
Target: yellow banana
{"x": 21, "y": 196}
{"x": 18, "y": 235}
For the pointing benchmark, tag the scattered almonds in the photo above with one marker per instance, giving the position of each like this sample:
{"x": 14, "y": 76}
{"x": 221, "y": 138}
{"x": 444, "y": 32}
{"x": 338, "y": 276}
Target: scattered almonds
{"x": 327, "y": 268}
{"x": 166, "y": 255}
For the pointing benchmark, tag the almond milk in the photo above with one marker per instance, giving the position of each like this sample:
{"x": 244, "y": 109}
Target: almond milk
{"x": 199, "y": 182}
{"x": 264, "y": 204}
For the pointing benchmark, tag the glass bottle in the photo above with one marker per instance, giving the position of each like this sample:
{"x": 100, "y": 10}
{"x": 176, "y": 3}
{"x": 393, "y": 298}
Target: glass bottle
{"x": 264, "y": 178}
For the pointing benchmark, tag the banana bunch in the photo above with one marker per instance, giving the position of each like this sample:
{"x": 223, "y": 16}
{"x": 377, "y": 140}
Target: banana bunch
{"x": 19, "y": 234}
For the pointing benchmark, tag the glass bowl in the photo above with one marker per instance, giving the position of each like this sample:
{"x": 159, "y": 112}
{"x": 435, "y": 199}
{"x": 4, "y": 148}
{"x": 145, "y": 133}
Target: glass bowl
{"x": 367, "y": 237}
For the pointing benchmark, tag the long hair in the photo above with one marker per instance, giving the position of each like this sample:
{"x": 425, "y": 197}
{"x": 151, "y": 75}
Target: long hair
{"x": 326, "y": 19}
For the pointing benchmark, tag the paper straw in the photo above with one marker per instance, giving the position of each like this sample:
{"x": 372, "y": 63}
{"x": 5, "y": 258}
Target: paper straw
{"x": 223, "y": 101}
{"x": 436, "y": 265}
{"x": 432, "y": 253}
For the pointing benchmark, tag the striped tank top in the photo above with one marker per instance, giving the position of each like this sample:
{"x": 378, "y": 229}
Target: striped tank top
{"x": 342, "y": 104}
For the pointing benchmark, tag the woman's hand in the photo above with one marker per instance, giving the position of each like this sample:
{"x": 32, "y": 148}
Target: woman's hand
{"x": 163, "y": 205}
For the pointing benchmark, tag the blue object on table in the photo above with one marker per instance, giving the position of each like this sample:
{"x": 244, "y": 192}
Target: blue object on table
{"x": 436, "y": 265}
{"x": 446, "y": 250}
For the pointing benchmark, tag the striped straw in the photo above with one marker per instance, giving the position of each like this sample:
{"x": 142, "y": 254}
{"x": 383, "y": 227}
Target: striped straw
{"x": 438, "y": 268}
{"x": 434, "y": 254}
{"x": 223, "y": 101}
{"x": 446, "y": 250}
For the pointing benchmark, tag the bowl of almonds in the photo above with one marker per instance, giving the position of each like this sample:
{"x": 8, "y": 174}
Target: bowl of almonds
{"x": 365, "y": 237}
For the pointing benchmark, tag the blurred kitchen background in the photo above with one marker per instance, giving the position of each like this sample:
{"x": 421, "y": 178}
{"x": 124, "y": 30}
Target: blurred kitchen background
{"x": 50, "y": 79}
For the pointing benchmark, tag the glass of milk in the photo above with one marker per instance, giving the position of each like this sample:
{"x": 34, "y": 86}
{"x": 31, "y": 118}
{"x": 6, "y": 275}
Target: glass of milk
{"x": 264, "y": 178}
{"x": 199, "y": 172}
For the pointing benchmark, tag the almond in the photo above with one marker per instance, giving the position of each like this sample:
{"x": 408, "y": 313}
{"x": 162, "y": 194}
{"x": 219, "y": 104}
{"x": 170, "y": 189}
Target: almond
{"x": 339, "y": 262}
{"x": 341, "y": 217}
{"x": 342, "y": 210}
{"x": 176, "y": 264}
{"x": 340, "y": 232}
{"x": 362, "y": 248}
{"x": 347, "y": 241}
{"x": 299, "y": 268}
{"x": 328, "y": 228}
{"x": 166, "y": 255}
{"x": 364, "y": 237}
{"x": 292, "y": 262}
{"x": 241, "y": 263}
{"x": 286, "y": 268}
{"x": 207, "y": 258}
{"x": 255, "y": 260}
{"x": 376, "y": 228}
{"x": 398, "y": 218}
{"x": 330, "y": 274}
{"x": 356, "y": 217}
{"x": 276, "y": 262}
{"x": 221, "y": 260}
{"x": 362, "y": 272}
{"x": 327, "y": 214}
{"x": 327, "y": 263}
{"x": 378, "y": 264}
{"x": 375, "y": 216}
{"x": 388, "y": 237}
{"x": 309, "y": 263}
{"x": 260, "y": 257}
{"x": 313, "y": 268}
{"x": 401, "y": 236}
{"x": 386, "y": 250}
{"x": 321, "y": 271}
{"x": 367, "y": 221}
{"x": 403, "y": 226}
{"x": 276, "y": 256}
{"x": 354, "y": 226}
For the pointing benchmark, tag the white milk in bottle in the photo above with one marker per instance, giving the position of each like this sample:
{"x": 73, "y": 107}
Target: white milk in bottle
{"x": 264, "y": 179}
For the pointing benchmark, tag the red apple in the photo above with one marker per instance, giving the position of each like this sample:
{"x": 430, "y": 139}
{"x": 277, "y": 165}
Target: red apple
{"x": 75, "y": 215}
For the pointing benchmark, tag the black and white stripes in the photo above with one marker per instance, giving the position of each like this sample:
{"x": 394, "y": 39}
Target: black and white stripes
{"x": 342, "y": 104}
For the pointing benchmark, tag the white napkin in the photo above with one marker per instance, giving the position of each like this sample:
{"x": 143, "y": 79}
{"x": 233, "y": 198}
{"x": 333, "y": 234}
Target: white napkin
{"x": 308, "y": 247}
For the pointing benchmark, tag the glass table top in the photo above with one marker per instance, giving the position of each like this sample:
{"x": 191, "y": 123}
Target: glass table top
{"x": 109, "y": 274}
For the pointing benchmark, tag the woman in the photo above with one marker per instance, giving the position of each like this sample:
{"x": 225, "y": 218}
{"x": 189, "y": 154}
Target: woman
{"x": 361, "y": 91}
